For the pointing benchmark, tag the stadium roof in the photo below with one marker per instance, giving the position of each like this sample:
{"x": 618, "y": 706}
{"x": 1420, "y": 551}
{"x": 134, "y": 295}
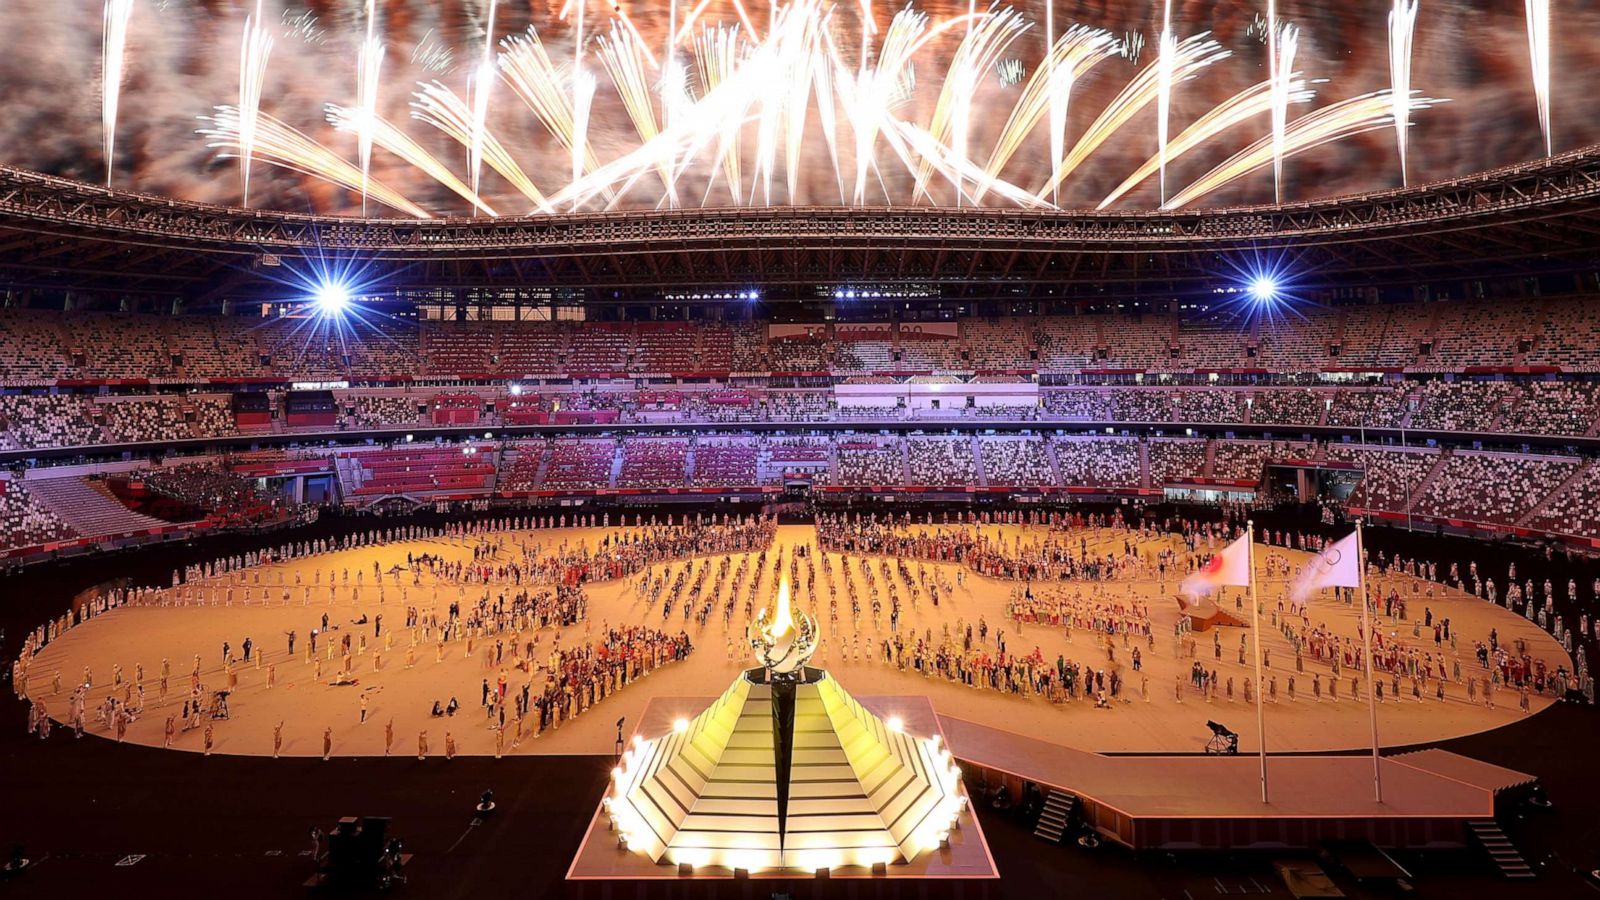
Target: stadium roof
{"x": 1529, "y": 219}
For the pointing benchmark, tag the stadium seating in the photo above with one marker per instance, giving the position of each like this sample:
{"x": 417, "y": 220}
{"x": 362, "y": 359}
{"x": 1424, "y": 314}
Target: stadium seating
{"x": 1389, "y": 476}
{"x": 1492, "y": 487}
{"x": 1016, "y": 462}
{"x": 653, "y": 463}
{"x": 383, "y": 410}
{"x": 88, "y": 507}
{"x": 726, "y": 462}
{"x": 1236, "y": 460}
{"x": 941, "y": 461}
{"x": 74, "y": 382}
{"x": 870, "y": 462}
{"x": 1098, "y": 462}
{"x": 421, "y": 471}
{"x": 579, "y": 465}
{"x": 1461, "y": 406}
{"x": 1572, "y": 510}
{"x": 668, "y": 348}
{"x": 1287, "y": 406}
{"x": 1175, "y": 459}
{"x": 28, "y": 523}
{"x": 41, "y": 347}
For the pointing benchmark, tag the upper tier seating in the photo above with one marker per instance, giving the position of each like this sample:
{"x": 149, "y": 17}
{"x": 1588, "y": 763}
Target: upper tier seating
{"x": 1475, "y": 334}
{"x": 999, "y": 344}
{"x": 459, "y": 350}
{"x": 1298, "y": 343}
{"x": 668, "y": 348}
{"x": 599, "y": 348}
{"x": 41, "y": 347}
{"x": 530, "y": 350}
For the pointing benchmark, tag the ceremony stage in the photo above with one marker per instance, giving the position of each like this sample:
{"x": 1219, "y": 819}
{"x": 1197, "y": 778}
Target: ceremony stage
{"x": 1196, "y": 802}
{"x": 966, "y": 859}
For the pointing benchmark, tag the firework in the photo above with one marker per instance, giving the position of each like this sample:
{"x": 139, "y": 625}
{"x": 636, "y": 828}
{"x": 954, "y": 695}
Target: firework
{"x": 386, "y": 135}
{"x": 870, "y": 95}
{"x": 623, "y": 58}
{"x": 746, "y": 115}
{"x": 1538, "y": 14}
{"x": 442, "y": 108}
{"x": 114, "y": 46}
{"x": 1190, "y": 57}
{"x": 527, "y": 68}
{"x": 1056, "y": 98}
{"x": 281, "y": 145}
{"x": 1335, "y": 122}
{"x": 1283, "y": 50}
{"x": 369, "y": 67}
{"x": 1049, "y": 91}
{"x": 718, "y": 55}
{"x": 583, "y": 87}
{"x": 988, "y": 36}
{"x": 1245, "y": 105}
{"x": 482, "y": 85}
{"x": 1166, "y": 59}
{"x": 254, "y": 50}
{"x": 1402, "y": 28}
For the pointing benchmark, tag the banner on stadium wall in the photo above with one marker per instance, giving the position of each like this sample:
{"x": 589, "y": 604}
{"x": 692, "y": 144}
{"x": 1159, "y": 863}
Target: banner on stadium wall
{"x": 930, "y": 331}
{"x": 796, "y": 332}
{"x": 864, "y": 331}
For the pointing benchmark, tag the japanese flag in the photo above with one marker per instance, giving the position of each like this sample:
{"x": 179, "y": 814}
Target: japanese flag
{"x": 1231, "y": 566}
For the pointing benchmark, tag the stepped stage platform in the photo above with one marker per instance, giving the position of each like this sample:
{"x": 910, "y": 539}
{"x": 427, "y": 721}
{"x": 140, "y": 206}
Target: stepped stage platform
{"x": 1196, "y": 802}
{"x": 966, "y": 859}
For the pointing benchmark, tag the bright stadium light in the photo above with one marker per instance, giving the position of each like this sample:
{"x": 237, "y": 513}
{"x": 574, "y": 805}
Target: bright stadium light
{"x": 332, "y": 298}
{"x": 1258, "y": 286}
{"x": 1264, "y": 288}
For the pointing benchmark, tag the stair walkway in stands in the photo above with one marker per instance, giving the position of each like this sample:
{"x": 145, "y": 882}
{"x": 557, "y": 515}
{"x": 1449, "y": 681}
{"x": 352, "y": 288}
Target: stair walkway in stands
{"x": 89, "y": 507}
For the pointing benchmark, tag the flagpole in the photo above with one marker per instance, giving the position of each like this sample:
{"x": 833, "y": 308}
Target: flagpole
{"x": 1255, "y": 629}
{"x": 1366, "y": 636}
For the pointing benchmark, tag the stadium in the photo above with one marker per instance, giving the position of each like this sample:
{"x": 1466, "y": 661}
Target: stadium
{"x": 943, "y": 451}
